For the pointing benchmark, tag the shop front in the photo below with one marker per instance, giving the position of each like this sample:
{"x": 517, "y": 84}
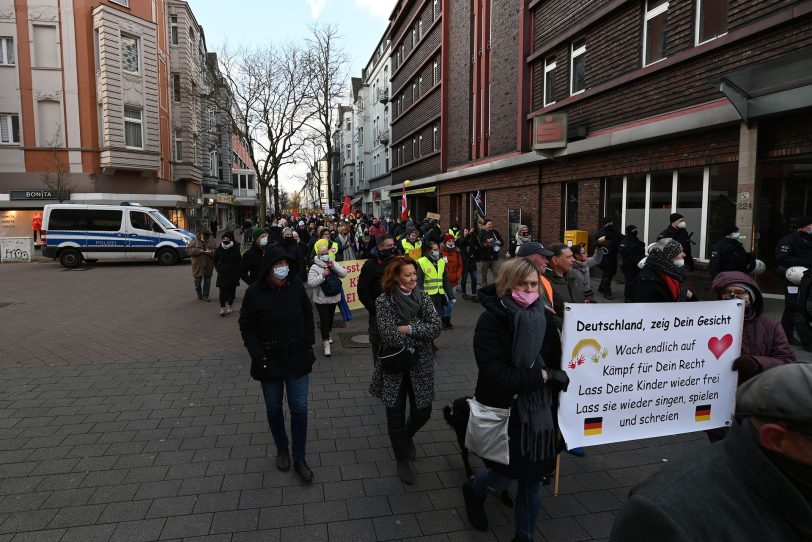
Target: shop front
{"x": 21, "y": 212}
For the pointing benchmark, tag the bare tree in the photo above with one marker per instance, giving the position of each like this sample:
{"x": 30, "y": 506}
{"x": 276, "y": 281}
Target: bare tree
{"x": 329, "y": 62}
{"x": 58, "y": 177}
{"x": 311, "y": 155}
{"x": 272, "y": 104}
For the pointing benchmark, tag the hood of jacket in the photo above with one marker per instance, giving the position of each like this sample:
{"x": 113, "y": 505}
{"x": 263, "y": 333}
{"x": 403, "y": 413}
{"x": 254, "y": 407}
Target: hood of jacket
{"x": 490, "y": 302}
{"x": 272, "y": 255}
{"x": 722, "y": 280}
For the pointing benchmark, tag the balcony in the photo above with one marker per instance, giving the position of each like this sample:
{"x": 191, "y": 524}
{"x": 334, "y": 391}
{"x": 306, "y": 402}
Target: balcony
{"x": 383, "y": 95}
{"x": 383, "y": 137}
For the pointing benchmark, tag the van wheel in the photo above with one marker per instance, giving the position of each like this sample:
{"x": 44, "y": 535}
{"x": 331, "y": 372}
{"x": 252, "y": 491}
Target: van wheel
{"x": 70, "y": 258}
{"x": 167, "y": 256}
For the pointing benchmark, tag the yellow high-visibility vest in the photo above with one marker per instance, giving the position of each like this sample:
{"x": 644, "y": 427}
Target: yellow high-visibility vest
{"x": 432, "y": 276}
{"x": 414, "y": 251}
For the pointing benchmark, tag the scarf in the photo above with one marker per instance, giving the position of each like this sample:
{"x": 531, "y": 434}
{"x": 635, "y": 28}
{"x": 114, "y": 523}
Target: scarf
{"x": 675, "y": 277}
{"x": 534, "y": 408}
{"x": 407, "y": 305}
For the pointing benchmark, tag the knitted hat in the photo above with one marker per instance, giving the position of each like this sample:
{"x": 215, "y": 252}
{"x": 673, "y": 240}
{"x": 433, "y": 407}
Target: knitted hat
{"x": 257, "y": 233}
{"x": 448, "y": 237}
{"x": 287, "y": 230}
{"x": 229, "y": 234}
{"x": 669, "y": 248}
{"x": 674, "y": 217}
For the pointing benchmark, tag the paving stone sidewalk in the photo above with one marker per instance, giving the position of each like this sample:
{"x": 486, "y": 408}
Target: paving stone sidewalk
{"x": 127, "y": 413}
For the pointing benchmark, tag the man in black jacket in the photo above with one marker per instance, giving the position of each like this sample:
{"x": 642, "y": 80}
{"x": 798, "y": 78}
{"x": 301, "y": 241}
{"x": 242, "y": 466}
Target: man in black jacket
{"x": 293, "y": 254}
{"x": 369, "y": 284}
{"x": 610, "y": 239}
{"x": 631, "y": 250}
{"x": 794, "y": 250}
{"x": 251, "y": 264}
{"x": 728, "y": 254}
{"x": 490, "y": 243}
{"x": 678, "y": 231}
{"x": 752, "y": 486}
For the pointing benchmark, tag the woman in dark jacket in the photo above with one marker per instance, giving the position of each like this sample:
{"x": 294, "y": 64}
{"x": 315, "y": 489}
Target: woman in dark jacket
{"x": 663, "y": 278}
{"x": 227, "y": 262}
{"x": 406, "y": 317}
{"x": 276, "y": 323}
{"x": 251, "y": 264}
{"x": 518, "y": 355}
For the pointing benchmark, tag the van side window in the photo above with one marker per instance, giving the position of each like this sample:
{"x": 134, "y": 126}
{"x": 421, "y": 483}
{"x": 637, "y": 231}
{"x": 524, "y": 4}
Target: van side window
{"x": 142, "y": 221}
{"x": 84, "y": 220}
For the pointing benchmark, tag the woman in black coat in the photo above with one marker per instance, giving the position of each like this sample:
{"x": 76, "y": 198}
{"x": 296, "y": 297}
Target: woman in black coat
{"x": 663, "y": 278}
{"x": 276, "y": 323}
{"x": 518, "y": 355}
{"x": 227, "y": 262}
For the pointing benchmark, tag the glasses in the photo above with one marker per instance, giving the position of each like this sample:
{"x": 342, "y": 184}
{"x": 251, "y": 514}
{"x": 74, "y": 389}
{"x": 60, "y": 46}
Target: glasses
{"x": 736, "y": 294}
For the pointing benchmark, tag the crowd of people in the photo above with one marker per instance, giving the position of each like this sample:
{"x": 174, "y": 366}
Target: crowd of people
{"x": 409, "y": 285}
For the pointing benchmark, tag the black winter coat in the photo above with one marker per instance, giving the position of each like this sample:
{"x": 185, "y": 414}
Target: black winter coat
{"x": 498, "y": 380}
{"x": 729, "y": 255}
{"x": 684, "y": 238}
{"x": 295, "y": 258}
{"x": 649, "y": 287}
{"x": 631, "y": 250}
{"x": 369, "y": 284}
{"x": 276, "y": 324}
{"x": 227, "y": 262}
{"x": 251, "y": 265}
{"x": 794, "y": 249}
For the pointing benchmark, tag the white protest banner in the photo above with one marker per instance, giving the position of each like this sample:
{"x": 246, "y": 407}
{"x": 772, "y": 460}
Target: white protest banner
{"x": 646, "y": 370}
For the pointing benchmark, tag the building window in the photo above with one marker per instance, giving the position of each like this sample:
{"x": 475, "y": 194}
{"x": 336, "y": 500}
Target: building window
{"x": 578, "y": 66}
{"x": 436, "y": 72}
{"x": 420, "y": 29}
{"x": 436, "y": 137}
{"x": 9, "y": 128}
{"x": 213, "y": 169}
{"x": 420, "y": 145}
{"x": 212, "y": 119}
{"x": 348, "y": 151}
{"x": 414, "y": 92}
{"x": 654, "y": 31}
{"x": 125, "y": 3}
{"x": 436, "y": 9}
{"x": 173, "y": 28}
{"x": 571, "y": 210}
{"x": 46, "y": 50}
{"x": 420, "y": 86}
{"x": 49, "y": 123}
{"x": 349, "y": 127}
{"x": 361, "y": 172}
{"x": 7, "y": 52}
{"x": 176, "y": 86}
{"x": 361, "y": 135}
{"x": 549, "y": 80}
{"x": 711, "y": 19}
{"x": 414, "y": 38}
{"x": 386, "y": 158}
{"x": 178, "y": 146}
{"x": 133, "y": 128}
{"x": 415, "y": 149}
{"x": 129, "y": 53}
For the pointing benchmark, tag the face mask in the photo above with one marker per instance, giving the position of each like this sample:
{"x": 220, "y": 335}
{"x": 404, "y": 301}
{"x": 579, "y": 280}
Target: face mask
{"x": 387, "y": 253}
{"x": 734, "y": 235}
{"x": 679, "y": 263}
{"x": 404, "y": 289}
{"x": 524, "y": 299}
{"x": 227, "y": 245}
{"x": 450, "y": 245}
{"x": 263, "y": 241}
{"x": 280, "y": 273}
{"x": 324, "y": 257}
{"x": 682, "y": 225}
{"x": 435, "y": 255}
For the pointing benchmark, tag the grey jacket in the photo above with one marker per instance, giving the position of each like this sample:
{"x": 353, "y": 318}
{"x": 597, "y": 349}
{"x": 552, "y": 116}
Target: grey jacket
{"x": 581, "y": 272}
{"x": 315, "y": 278}
{"x": 730, "y": 491}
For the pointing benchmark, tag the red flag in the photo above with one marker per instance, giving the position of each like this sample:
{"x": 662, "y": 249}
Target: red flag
{"x": 347, "y": 208}
{"x": 295, "y": 213}
{"x": 404, "y": 210}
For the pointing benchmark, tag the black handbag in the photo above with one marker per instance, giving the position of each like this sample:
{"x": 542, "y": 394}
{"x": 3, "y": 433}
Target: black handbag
{"x": 396, "y": 359}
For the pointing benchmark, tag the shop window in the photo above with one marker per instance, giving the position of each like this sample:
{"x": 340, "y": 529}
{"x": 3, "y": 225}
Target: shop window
{"x": 613, "y": 199}
{"x": 721, "y": 201}
{"x": 711, "y": 19}
{"x": 689, "y": 203}
{"x": 578, "y": 66}
{"x": 661, "y": 192}
{"x": 635, "y": 211}
{"x": 654, "y": 31}
{"x": 571, "y": 210}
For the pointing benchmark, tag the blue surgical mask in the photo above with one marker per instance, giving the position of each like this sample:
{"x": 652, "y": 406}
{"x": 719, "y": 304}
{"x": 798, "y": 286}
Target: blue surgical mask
{"x": 324, "y": 257}
{"x": 435, "y": 255}
{"x": 280, "y": 272}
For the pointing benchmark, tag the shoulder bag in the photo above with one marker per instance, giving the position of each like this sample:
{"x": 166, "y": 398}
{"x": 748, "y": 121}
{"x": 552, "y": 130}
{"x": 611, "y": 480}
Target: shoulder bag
{"x": 487, "y": 432}
{"x": 396, "y": 359}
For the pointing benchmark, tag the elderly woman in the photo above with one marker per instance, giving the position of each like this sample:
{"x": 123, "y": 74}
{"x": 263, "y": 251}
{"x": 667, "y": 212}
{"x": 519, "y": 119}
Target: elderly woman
{"x": 517, "y": 353}
{"x": 663, "y": 278}
{"x": 346, "y": 242}
{"x": 406, "y": 318}
{"x": 324, "y": 279}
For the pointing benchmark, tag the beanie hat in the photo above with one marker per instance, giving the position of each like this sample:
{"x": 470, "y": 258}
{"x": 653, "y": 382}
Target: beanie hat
{"x": 320, "y": 244}
{"x": 256, "y": 233}
{"x": 287, "y": 230}
{"x": 674, "y": 217}
{"x": 669, "y": 248}
{"x": 229, "y": 234}
{"x": 448, "y": 237}
{"x": 727, "y": 230}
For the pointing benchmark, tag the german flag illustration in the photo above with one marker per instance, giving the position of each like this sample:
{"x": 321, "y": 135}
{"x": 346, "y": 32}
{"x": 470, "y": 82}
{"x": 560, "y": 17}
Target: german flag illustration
{"x": 703, "y": 413}
{"x": 593, "y": 426}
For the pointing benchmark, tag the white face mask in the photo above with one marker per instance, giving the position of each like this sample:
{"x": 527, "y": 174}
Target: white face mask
{"x": 679, "y": 263}
{"x": 450, "y": 245}
{"x": 324, "y": 257}
{"x": 263, "y": 241}
{"x": 227, "y": 245}
{"x": 682, "y": 225}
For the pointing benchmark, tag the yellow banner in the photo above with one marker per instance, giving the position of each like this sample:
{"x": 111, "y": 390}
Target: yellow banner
{"x": 350, "y": 282}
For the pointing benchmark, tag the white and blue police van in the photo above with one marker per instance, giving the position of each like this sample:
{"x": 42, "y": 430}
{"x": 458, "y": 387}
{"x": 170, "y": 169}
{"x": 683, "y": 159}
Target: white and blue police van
{"x": 76, "y": 233}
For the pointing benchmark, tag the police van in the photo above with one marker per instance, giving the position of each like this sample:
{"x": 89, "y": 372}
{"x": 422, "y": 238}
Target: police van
{"x": 73, "y": 233}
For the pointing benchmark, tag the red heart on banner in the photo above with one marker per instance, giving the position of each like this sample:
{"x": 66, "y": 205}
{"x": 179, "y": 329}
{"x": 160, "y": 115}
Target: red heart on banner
{"x": 718, "y": 346}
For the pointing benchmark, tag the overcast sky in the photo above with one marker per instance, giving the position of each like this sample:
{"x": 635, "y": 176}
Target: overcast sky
{"x": 254, "y": 22}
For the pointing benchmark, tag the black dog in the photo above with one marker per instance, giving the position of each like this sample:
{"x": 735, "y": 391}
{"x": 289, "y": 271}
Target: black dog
{"x": 456, "y": 415}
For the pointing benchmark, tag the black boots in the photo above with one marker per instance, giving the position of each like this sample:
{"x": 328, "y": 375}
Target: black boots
{"x": 474, "y": 507}
{"x": 405, "y": 471}
{"x": 283, "y": 459}
{"x": 303, "y": 470}
{"x": 446, "y": 320}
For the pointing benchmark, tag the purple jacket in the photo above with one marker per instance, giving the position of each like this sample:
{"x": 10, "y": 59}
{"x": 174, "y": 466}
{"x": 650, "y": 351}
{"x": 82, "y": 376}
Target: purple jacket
{"x": 763, "y": 338}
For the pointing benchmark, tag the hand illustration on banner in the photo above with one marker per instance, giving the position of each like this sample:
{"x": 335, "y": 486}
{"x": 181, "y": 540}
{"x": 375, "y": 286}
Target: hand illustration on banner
{"x": 637, "y": 374}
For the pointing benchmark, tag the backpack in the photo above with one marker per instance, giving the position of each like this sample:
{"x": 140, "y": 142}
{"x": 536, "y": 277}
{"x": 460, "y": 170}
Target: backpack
{"x": 331, "y": 285}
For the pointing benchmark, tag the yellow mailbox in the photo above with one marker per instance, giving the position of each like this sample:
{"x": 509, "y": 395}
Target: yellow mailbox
{"x": 577, "y": 237}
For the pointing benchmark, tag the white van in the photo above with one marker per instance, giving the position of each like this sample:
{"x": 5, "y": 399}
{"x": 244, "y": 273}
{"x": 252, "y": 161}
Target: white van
{"x": 73, "y": 233}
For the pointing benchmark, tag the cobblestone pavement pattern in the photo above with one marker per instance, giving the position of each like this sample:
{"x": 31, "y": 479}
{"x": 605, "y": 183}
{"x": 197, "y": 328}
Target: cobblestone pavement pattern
{"x": 127, "y": 413}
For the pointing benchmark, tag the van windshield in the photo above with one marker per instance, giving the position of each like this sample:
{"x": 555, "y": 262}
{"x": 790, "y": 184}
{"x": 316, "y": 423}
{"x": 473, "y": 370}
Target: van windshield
{"x": 162, "y": 220}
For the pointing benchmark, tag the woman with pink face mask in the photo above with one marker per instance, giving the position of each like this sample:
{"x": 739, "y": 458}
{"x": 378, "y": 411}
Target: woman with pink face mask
{"x": 518, "y": 355}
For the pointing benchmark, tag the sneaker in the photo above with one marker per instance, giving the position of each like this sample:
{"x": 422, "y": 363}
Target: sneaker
{"x": 283, "y": 459}
{"x": 327, "y": 348}
{"x": 474, "y": 507}
{"x": 222, "y": 311}
{"x": 405, "y": 471}
{"x": 329, "y": 339}
{"x": 228, "y": 309}
{"x": 304, "y": 472}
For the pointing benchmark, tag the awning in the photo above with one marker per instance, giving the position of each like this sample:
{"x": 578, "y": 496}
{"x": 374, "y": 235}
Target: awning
{"x": 396, "y": 193}
{"x": 780, "y": 85}
{"x": 356, "y": 199}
